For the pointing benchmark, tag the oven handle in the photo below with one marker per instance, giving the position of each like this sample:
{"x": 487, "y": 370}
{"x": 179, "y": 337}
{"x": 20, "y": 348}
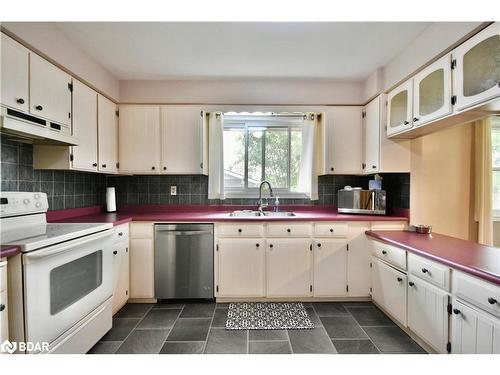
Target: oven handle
{"x": 57, "y": 249}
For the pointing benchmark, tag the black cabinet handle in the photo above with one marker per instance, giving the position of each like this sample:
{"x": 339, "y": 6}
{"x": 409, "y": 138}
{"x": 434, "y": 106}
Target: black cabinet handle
{"x": 94, "y": 164}
{"x": 271, "y": 245}
{"x": 456, "y": 311}
{"x": 164, "y": 168}
{"x": 363, "y": 165}
{"x": 38, "y": 107}
{"x": 319, "y": 245}
{"x": 115, "y": 252}
{"x": 153, "y": 168}
{"x": 411, "y": 283}
{"x": 332, "y": 169}
{"x": 120, "y": 234}
{"x": 384, "y": 252}
{"x": 2, "y": 307}
{"x": 425, "y": 270}
{"x": 400, "y": 279}
{"x": 331, "y": 230}
{"x": 257, "y": 245}
{"x": 240, "y": 230}
{"x": 374, "y": 166}
{"x": 492, "y": 300}
{"x": 20, "y": 101}
{"x": 104, "y": 165}
{"x": 415, "y": 119}
{"x": 406, "y": 123}
{"x": 288, "y": 230}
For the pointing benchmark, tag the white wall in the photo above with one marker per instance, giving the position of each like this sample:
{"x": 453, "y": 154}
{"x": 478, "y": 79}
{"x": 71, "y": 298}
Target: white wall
{"x": 49, "y": 40}
{"x": 255, "y": 91}
{"x": 434, "y": 40}
{"x": 373, "y": 85}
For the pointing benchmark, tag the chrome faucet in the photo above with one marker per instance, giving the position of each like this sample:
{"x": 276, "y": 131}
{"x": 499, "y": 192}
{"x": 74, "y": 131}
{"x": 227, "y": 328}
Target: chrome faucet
{"x": 263, "y": 205}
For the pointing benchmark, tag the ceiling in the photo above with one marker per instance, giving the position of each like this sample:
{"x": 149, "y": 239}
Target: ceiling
{"x": 348, "y": 51}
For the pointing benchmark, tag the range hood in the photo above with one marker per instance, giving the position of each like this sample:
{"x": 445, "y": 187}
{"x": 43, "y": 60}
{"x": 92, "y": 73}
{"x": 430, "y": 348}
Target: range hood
{"x": 26, "y": 128}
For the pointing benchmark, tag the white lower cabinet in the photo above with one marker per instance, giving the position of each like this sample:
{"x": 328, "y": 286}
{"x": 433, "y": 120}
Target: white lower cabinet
{"x": 358, "y": 261}
{"x": 289, "y": 267}
{"x": 389, "y": 290}
{"x": 241, "y": 268}
{"x": 428, "y": 313}
{"x": 141, "y": 260}
{"x": 121, "y": 267}
{"x": 473, "y": 331}
{"x": 330, "y": 267}
{"x": 4, "y": 315}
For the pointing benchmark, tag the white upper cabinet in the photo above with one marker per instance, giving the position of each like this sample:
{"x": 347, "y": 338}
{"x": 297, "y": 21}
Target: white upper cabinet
{"x": 476, "y": 74}
{"x": 50, "y": 95}
{"x": 14, "y": 74}
{"x": 139, "y": 139}
{"x": 84, "y": 127}
{"x": 107, "y": 125}
{"x": 399, "y": 108}
{"x": 343, "y": 140}
{"x": 371, "y": 136}
{"x": 181, "y": 132}
{"x": 432, "y": 92}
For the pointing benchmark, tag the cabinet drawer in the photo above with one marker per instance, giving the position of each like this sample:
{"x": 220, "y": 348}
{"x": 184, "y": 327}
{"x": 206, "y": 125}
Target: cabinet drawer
{"x": 389, "y": 225}
{"x": 240, "y": 230}
{"x": 289, "y": 230}
{"x": 120, "y": 233}
{"x": 480, "y": 293}
{"x": 141, "y": 230}
{"x": 430, "y": 271}
{"x": 335, "y": 230}
{"x": 3, "y": 276}
{"x": 390, "y": 254}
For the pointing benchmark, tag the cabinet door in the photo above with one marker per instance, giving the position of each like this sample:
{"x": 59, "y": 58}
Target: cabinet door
{"x": 107, "y": 125}
{"x": 4, "y": 320}
{"x": 427, "y": 313}
{"x": 432, "y": 92}
{"x": 289, "y": 268}
{"x": 389, "y": 289}
{"x": 371, "y": 136}
{"x": 120, "y": 276}
{"x": 473, "y": 332}
{"x": 330, "y": 264}
{"x": 241, "y": 270}
{"x": 141, "y": 268}
{"x": 476, "y": 75}
{"x": 358, "y": 261}
{"x": 399, "y": 108}
{"x": 50, "y": 96}
{"x": 344, "y": 140}
{"x": 139, "y": 139}
{"x": 181, "y": 140}
{"x": 14, "y": 74}
{"x": 84, "y": 127}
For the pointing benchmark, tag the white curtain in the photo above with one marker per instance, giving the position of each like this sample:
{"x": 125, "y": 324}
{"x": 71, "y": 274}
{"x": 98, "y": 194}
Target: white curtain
{"x": 484, "y": 185}
{"x": 215, "y": 156}
{"x": 308, "y": 172}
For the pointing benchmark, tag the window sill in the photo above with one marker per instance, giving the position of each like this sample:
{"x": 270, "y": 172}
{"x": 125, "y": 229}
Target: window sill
{"x": 233, "y": 195}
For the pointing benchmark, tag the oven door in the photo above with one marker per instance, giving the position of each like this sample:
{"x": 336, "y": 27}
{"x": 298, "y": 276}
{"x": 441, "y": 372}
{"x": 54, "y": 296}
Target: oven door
{"x": 64, "y": 283}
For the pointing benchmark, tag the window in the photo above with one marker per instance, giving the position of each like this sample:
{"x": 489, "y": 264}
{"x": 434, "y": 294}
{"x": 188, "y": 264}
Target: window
{"x": 495, "y": 162}
{"x": 258, "y": 148}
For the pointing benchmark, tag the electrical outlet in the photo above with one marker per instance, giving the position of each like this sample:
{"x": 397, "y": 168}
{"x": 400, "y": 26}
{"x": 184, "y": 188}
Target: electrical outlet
{"x": 173, "y": 190}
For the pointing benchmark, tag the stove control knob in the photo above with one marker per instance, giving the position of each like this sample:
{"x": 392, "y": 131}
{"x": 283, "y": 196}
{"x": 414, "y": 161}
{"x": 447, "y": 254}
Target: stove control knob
{"x": 38, "y": 205}
{"x": 26, "y": 201}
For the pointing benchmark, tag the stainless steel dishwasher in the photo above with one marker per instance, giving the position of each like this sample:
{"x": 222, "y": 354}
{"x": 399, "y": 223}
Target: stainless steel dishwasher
{"x": 184, "y": 261}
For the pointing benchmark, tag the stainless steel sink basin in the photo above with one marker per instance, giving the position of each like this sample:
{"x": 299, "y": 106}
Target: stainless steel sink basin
{"x": 245, "y": 213}
{"x": 279, "y": 213}
{"x": 250, "y": 213}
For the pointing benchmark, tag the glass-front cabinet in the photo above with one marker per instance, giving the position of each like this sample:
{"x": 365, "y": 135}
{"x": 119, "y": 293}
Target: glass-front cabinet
{"x": 476, "y": 71}
{"x": 432, "y": 92}
{"x": 399, "y": 108}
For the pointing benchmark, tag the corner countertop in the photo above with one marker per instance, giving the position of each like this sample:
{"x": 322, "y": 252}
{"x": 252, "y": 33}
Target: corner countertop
{"x": 204, "y": 213}
{"x": 467, "y": 256}
{"x": 9, "y": 250}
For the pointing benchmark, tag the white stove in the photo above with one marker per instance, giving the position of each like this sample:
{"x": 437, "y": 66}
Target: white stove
{"x": 61, "y": 284}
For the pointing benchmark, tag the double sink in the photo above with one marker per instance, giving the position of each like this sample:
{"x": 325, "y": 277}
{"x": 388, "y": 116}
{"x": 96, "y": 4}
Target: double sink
{"x": 251, "y": 213}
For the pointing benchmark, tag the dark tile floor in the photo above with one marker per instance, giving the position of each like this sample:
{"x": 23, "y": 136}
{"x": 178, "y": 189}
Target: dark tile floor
{"x": 196, "y": 328}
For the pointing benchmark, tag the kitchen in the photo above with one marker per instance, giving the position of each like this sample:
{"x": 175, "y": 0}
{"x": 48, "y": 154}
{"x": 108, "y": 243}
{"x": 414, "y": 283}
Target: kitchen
{"x": 202, "y": 200}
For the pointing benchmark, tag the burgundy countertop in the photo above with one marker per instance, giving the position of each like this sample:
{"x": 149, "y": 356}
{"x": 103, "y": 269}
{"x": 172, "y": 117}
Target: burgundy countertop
{"x": 207, "y": 213}
{"x": 9, "y": 250}
{"x": 467, "y": 256}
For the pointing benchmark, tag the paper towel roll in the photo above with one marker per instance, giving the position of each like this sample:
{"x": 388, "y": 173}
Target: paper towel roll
{"x": 110, "y": 199}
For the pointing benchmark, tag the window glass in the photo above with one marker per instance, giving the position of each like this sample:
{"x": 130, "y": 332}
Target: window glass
{"x": 234, "y": 158}
{"x": 495, "y": 147}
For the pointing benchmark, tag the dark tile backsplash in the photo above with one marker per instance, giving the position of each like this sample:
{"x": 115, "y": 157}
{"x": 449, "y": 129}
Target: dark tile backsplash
{"x": 66, "y": 189}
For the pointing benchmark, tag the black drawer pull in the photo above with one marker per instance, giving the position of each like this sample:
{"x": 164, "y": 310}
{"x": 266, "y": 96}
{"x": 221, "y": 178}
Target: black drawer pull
{"x": 319, "y": 245}
{"x": 164, "y": 168}
{"x": 20, "y": 101}
{"x": 411, "y": 283}
{"x": 288, "y": 230}
{"x": 384, "y": 252}
{"x": 331, "y": 230}
{"x": 425, "y": 270}
{"x": 492, "y": 300}
{"x": 257, "y": 245}
{"x": 400, "y": 279}
{"x": 240, "y": 230}
{"x": 94, "y": 164}
{"x": 104, "y": 165}
{"x": 2, "y": 307}
{"x": 38, "y": 107}
{"x": 415, "y": 119}
{"x": 456, "y": 311}
{"x": 271, "y": 246}
{"x": 120, "y": 234}
{"x": 115, "y": 252}
{"x": 153, "y": 168}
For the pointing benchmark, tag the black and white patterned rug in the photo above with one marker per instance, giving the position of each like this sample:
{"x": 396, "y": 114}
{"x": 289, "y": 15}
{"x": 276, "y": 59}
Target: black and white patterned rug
{"x": 268, "y": 315}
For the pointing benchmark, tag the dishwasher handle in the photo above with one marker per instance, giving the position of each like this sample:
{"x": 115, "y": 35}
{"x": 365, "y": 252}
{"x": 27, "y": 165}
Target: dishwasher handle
{"x": 184, "y": 232}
